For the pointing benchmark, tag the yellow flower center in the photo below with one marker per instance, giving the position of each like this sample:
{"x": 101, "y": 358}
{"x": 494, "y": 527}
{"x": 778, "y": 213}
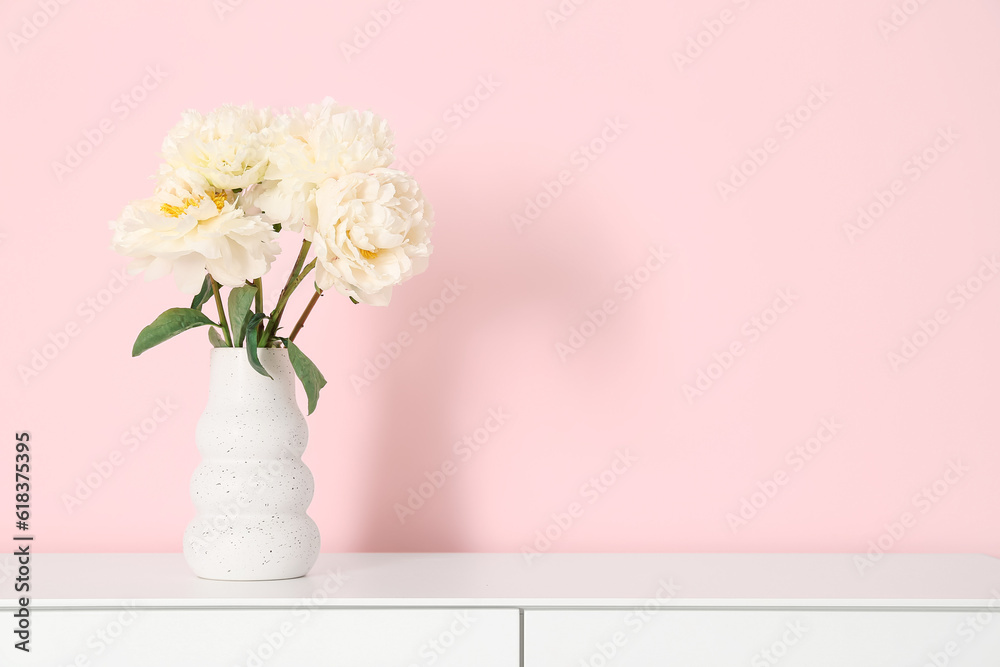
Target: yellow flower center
{"x": 368, "y": 254}
{"x": 177, "y": 211}
{"x": 218, "y": 198}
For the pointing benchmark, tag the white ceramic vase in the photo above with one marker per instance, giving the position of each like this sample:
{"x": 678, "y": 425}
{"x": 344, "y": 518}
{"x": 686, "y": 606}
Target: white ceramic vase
{"x": 251, "y": 489}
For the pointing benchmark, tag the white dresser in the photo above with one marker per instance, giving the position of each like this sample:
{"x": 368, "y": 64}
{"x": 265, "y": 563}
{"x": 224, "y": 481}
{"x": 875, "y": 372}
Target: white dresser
{"x": 498, "y": 610}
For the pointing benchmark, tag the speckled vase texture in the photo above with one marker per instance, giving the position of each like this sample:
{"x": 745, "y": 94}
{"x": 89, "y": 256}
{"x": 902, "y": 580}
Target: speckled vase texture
{"x": 251, "y": 489}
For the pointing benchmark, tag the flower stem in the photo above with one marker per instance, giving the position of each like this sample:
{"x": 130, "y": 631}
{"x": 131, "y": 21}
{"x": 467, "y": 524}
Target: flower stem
{"x": 302, "y": 320}
{"x": 258, "y": 298}
{"x": 258, "y": 304}
{"x": 222, "y": 313}
{"x": 294, "y": 278}
{"x": 291, "y": 288}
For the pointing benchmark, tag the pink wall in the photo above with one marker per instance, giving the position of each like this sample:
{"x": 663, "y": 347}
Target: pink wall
{"x": 771, "y": 268}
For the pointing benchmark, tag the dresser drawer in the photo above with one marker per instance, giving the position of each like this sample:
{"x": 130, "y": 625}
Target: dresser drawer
{"x": 752, "y": 638}
{"x": 270, "y": 638}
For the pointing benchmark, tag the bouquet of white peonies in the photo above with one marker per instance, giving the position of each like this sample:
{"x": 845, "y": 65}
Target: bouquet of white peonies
{"x": 239, "y": 180}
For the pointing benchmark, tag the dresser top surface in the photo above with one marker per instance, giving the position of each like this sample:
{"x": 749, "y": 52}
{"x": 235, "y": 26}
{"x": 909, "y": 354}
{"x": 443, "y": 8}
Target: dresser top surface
{"x": 548, "y": 580}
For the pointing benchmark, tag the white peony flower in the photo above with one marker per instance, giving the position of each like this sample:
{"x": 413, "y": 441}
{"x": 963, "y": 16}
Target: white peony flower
{"x": 329, "y": 140}
{"x": 324, "y": 141}
{"x": 189, "y": 230}
{"x": 228, "y": 148}
{"x": 372, "y": 232}
{"x": 290, "y": 202}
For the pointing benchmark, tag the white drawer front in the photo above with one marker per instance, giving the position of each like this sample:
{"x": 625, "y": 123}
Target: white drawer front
{"x": 761, "y": 638}
{"x": 270, "y": 638}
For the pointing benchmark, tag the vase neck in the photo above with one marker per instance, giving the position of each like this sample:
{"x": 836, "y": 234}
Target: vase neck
{"x": 233, "y": 377}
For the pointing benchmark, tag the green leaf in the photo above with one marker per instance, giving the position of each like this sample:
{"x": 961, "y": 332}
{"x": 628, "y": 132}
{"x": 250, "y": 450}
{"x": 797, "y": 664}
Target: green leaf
{"x": 312, "y": 380}
{"x": 353, "y": 300}
{"x": 204, "y": 295}
{"x": 216, "y": 338}
{"x": 277, "y": 225}
{"x": 252, "y": 344}
{"x": 240, "y": 299}
{"x": 168, "y": 325}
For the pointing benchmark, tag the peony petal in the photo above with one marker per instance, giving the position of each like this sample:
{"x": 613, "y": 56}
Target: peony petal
{"x": 189, "y": 273}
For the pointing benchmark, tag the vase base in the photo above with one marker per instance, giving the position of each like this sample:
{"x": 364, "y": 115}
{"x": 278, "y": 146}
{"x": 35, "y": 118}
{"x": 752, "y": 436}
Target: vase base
{"x": 253, "y": 549}
{"x": 208, "y": 578}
